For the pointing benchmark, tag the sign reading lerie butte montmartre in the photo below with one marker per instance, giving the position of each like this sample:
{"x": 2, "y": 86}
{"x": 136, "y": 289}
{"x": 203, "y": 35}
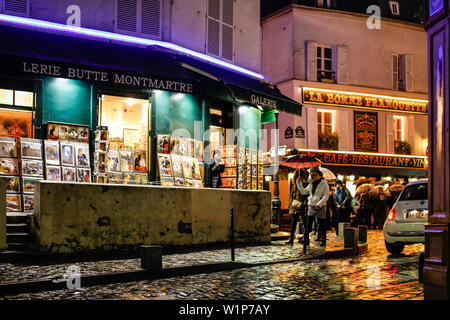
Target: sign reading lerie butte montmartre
{"x": 358, "y": 100}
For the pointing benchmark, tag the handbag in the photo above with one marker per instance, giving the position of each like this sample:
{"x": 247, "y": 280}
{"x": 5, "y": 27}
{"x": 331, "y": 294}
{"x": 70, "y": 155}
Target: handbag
{"x": 296, "y": 204}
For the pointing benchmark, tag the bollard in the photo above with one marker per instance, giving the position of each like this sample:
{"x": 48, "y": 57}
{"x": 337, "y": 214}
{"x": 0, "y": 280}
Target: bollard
{"x": 350, "y": 238}
{"x": 232, "y": 233}
{"x": 151, "y": 258}
{"x": 362, "y": 234}
{"x": 3, "y": 245}
{"x": 342, "y": 226}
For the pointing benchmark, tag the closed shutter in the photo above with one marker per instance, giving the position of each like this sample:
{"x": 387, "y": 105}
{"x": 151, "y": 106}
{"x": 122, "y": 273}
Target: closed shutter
{"x": 389, "y": 133}
{"x": 151, "y": 18}
{"x": 311, "y": 61}
{"x": 227, "y": 29}
{"x": 220, "y": 30}
{"x": 342, "y": 129}
{"x": 395, "y": 78}
{"x": 127, "y": 16}
{"x": 312, "y": 138}
{"x": 408, "y": 72}
{"x": 340, "y": 64}
{"x": 213, "y": 46}
{"x": 17, "y": 7}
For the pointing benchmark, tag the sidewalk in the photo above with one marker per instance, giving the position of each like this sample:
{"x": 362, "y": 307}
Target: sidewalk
{"x": 176, "y": 264}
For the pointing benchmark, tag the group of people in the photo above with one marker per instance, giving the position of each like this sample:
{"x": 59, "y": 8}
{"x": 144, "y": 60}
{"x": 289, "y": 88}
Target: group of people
{"x": 323, "y": 207}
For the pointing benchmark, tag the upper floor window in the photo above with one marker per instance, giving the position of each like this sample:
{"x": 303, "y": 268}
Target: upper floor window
{"x": 141, "y": 17}
{"x": 324, "y": 63}
{"x": 395, "y": 8}
{"x": 325, "y": 121}
{"x": 402, "y": 72}
{"x": 16, "y": 7}
{"x": 220, "y": 29}
{"x": 323, "y": 3}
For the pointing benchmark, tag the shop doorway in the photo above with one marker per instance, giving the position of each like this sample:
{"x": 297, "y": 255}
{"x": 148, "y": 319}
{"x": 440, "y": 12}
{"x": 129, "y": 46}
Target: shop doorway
{"x": 128, "y": 120}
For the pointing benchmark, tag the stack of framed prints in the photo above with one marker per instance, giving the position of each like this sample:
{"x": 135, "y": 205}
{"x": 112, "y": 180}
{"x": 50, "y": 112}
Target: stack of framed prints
{"x": 100, "y": 159}
{"x": 32, "y": 169}
{"x": 180, "y": 161}
{"x": 59, "y": 131}
{"x": 230, "y": 173}
{"x": 67, "y": 161}
{"x": 9, "y": 169}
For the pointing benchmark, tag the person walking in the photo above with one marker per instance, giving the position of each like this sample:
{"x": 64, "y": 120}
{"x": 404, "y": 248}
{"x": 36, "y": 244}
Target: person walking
{"x": 342, "y": 200}
{"x": 298, "y": 205}
{"x": 365, "y": 209}
{"x": 318, "y": 193}
{"x": 380, "y": 210}
{"x": 331, "y": 210}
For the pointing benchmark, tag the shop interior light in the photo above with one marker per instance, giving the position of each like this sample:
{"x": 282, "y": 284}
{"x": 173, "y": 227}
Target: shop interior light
{"x": 42, "y": 25}
{"x": 351, "y": 178}
{"x": 412, "y": 179}
{"x": 268, "y": 178}
{"x": 389, "y": 178}
{"x": 290, "y": 175}
{"x": 242, "y": 109}
{"x": 177, "y": 96}
{"x": 340, "y": 177}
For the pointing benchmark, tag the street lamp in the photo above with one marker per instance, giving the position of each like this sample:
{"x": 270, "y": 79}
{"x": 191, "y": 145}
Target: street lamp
{"x": 276, "y": 203}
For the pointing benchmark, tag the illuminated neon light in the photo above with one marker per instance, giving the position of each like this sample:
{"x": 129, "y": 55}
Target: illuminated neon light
{"x": 79, "y": 31}
{"x": 367, "y": 95}
{"x": 362, "y": 153}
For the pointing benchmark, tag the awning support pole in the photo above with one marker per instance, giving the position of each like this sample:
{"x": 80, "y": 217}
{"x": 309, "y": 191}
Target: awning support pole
{"x": 276, "y": 203}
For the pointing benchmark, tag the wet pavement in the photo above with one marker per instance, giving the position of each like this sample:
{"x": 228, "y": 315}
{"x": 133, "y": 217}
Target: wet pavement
{"x": 373, "y": 275}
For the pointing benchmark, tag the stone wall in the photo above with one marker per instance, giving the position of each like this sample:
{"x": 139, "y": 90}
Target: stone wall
{"x": 74, "y": 217}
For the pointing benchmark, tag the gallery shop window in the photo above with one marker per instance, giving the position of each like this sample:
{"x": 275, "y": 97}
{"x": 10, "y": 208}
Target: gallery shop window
{"x": 16, "y": 113}
{"x": 399, "y": 128}
{"x": 324, "y": 63}
{"x": 127, "y": 120}
{"x": 325, "y": 121}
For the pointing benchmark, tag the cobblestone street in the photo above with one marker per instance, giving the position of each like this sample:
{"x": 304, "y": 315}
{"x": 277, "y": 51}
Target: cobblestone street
{"x": 373, "y": 275}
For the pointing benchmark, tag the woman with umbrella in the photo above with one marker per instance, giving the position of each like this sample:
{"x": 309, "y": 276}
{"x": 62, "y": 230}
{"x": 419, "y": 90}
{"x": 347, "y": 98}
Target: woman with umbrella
{"x": 364, "y": 215}
{"x": 297, "y": 202}
{"x": 318, "y": 192}
{"x": 381, "y": 209}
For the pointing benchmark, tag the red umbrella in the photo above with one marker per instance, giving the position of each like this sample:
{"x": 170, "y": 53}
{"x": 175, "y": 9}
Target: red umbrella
{"x": 299, "y": 162}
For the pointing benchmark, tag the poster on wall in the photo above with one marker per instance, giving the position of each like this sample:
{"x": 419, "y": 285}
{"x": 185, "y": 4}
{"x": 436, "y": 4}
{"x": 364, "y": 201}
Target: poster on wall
{"x": 366, "y": 131}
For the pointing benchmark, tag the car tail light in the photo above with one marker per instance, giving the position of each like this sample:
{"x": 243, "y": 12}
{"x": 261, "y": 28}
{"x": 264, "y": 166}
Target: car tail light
{"x": 391, "y": 215}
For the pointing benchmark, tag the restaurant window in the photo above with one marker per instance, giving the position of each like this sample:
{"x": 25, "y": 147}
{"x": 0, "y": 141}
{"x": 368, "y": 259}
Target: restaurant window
{"x": 16, "y": 113}
{"x": 141, "y": 17}
{"x": 325, "y": 121}
{"x": 324, "y": 63}
{"x": 402, "y": 72}
{"x": 220, "y": 29}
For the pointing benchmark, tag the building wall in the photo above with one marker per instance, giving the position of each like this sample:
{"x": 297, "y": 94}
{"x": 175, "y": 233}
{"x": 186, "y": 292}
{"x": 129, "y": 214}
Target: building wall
{"x": 369, "y": 60}
{"x": 74, "y": 217}
{"x": 183, "y": 23}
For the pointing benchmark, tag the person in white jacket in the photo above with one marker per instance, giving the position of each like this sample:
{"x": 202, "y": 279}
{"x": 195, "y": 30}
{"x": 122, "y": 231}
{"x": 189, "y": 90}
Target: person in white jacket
{"x": 319, "y": 192}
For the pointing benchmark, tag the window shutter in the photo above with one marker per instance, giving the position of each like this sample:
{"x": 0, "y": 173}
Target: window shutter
{"x": 126, "y": 15}
{"x": 410, "y": 130}
{"x": 213, "y": 45}
{"x": 151, "y": 17}
{"x": 390, "y": 133}
{"x": 342, "y": 129}
{"x": 312, "y": 138}
{"x": 408, "y": 72}
{"x": 228, "y": 12}
{"x": 214, "y": 9}
{"x": 227, "y": 42}
{"x": 395, "y": 78}
{"x": 340, "y": 64}
{"x": 311, "y": 61}
{"x": 17, "y": 7}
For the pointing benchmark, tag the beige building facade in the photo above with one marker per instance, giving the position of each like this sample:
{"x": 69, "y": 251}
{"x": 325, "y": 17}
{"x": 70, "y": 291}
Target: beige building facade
{"x": 366, "y": 86}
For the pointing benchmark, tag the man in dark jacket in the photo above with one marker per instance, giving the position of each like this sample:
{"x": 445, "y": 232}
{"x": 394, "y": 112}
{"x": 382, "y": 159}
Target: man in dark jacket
{"x": 342, "y": 199}
{"x": 217, "y": 167}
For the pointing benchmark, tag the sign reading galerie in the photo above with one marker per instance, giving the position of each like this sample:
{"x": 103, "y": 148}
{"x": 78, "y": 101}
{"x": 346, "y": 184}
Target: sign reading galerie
{"x": 358, "y": 100}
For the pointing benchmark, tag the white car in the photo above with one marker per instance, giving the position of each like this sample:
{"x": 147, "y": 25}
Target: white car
{"x": 406, "y": 221}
